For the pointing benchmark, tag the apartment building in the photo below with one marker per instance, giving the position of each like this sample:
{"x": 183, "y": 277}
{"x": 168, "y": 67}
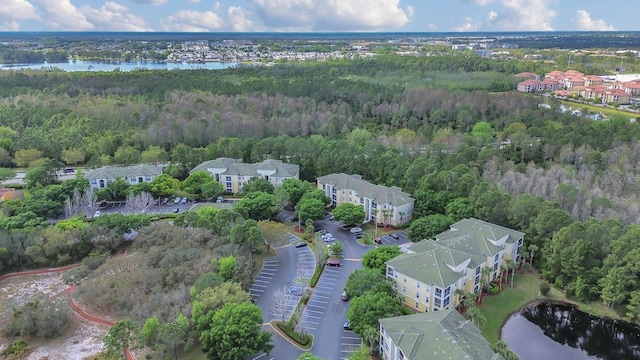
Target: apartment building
{"x": 436, "y": 335}
{"x": 429, "y": 273}
{"x": 233, "y": 173}
{"x": 133, "y": 175}
{"x": 382, "y": 204}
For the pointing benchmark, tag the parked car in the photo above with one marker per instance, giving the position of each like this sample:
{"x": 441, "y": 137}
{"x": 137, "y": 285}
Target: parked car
{"x": 295, "y": 292}
{"x": 177, "y": 200}
{"x": 301, "y": 244}
{"x": 294, "y": 218}
{"x": 355, "y": 230}
{"x": 184, "y": 200}
{"x": 333, "y": 262}
{"x": 176, "y": 210}
{"x": 97, "y": 213}
{"x": 359, "y": 235}
{"x": 69, "y": 171}
{"x": 346, "y": 325}
{"x": 344, "y": 296}
{"x": 377, "y": 240}
{"x": 330, "y": 217}
{"x": 395, "y": 236}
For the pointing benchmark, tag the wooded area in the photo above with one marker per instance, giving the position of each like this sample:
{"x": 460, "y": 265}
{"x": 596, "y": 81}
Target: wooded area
{"x": 447, "y": 129}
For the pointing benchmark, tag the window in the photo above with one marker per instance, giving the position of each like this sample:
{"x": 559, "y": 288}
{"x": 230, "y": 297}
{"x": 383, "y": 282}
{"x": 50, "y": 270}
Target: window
{"x": 417, "y": 295}
{"x": 390, "y": 271}
{"x": 447, "y": 291}
{"x": 478, "y": 270}
{"x": 418, "y": 284}
{"x": 497, "y": 257}
{"x": 446, "y": 301}
{"x": 227, "y": 178}
{"x": 417, "y": 305}
{"x": 405, "y": 279}
{"x": 438, "y": 292}
{"x": 495, "y": 266}
{"x": 520, "y": 242}
{"x": 404, "y": 289}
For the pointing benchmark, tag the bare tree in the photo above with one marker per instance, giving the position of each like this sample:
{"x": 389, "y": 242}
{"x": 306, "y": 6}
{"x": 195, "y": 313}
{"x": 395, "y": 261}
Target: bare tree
{"x": 301, "y": 325}
{"x": 140, "y": 202}
{"x": 80, "y": 202}
{"x": 280, "y": 303}
{"x": 301, "y": 272}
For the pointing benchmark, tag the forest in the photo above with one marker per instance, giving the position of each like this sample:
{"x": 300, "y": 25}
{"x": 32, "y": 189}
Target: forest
{"x": 450, "y": 130}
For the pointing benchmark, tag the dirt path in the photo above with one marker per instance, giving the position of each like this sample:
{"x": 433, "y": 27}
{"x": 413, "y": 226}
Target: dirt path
{"x": 67, "y": 292}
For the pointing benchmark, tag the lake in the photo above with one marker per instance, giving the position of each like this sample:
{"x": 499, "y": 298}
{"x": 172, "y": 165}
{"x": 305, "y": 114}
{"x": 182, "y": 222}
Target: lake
{"x": 553, "y": 331}
{"x": 123, "y": 66}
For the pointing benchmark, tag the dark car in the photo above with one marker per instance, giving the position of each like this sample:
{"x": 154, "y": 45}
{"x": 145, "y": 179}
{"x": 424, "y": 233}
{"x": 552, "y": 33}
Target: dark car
{"x": 301, "y": 244}
{"x": 377, "y": 240}
{"x": 69, "y": 171}
{"x": 333, "y": 262}
{"x": 294, "y": 218}
{"x": 395, "y": 236}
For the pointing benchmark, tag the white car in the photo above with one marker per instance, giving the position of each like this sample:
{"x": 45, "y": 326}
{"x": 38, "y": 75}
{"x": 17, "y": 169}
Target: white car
{"x": 355, "y": 230}
{"x": 97, "y": 214}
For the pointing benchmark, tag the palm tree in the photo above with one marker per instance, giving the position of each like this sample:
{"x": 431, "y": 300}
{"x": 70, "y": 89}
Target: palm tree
{"x": 474, "y": 313}
{"x": 460, "y": 297}
{"x": 483, "y": 283}
{"x": 470, "y": 300}
{"x": 511, "y": 265}
{"x": 480, "y": 320}
{"x": 503, "y": 268}
{"x": 532, "y": 250}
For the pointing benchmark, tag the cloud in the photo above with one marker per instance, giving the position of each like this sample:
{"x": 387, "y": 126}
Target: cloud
{"x": 62, "y": 15}
{"x": 114, "y": 16}
{"x": 17, "y": 9}
{"x": 194, "y": 1}
{"x": 151, "y": 2}
{"x": 519, "y": 15}
{"x": 467, "y": 26}
{"x": 478, "y": 2}
{"x": 238, "y": 19}
{"x": 192, "y": 21}
{"x": 9, "y": 26}
{"x": 331, "y": 15}
{"x": 583, "y": 21}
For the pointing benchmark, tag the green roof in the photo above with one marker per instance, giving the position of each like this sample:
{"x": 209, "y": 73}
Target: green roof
{"x": 114, "y": 172}
{"x": 480, "y": 229}
{"x": 237, "y": 167}
{"x": 430, "y": 265}
{"x": 380, "y": 194}
{"x": 438, "y": 335}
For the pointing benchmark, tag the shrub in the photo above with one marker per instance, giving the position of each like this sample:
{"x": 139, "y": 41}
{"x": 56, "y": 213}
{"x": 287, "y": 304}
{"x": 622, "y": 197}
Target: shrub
{"x": 17, "y": 348}
{"x": 494, "y": 289}
{"x": 303, "y": 340}
{"x": 545, "y": 288}
{"x": 316, "y": 275}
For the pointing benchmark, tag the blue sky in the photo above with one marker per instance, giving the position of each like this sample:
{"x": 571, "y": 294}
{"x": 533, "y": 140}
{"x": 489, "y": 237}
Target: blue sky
{"x": 318, "y": 15}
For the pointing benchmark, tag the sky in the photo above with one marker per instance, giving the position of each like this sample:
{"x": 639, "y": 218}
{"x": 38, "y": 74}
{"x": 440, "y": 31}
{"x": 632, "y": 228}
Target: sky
{"x": 319, "y": 15}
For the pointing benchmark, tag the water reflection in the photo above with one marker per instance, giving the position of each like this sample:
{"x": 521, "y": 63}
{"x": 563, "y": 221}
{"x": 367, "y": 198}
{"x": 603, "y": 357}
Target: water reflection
{"x": 560, "y": 331}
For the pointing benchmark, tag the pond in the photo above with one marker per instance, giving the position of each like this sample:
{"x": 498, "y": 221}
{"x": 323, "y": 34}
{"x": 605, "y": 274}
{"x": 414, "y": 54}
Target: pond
{"x": 554, "y": 331}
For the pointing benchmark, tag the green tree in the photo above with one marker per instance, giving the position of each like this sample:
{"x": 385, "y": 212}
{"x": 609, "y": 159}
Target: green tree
{"x": 308, "y": 356}
{"x": 235, "y": 333}
{"x": 164, "y": 185}
{"x": 349, "y": 214}
{"x": 312, "y": 209}
{"x": 25, "y": 157}
{"x": 174, "y": 334}
{"x": 154, "y": 155}
{"x": 193, "y": 183}
{"x": 72, "y": 156}
{"x": 247, "y": 234}
{"x": 126, "y": 155}
{"x": 227, "y": 267}
{"x": 365, "y": 310}
{"x": 459, "y": 208}
{"x": 363, "y": 280}
{"x": 150, "y": 330}
{"x": 206, "y": 303}
{"x": 258, "y": 185}
{"x": 257, "y": 206}
{"x": 615, "y": 286}
{"x": 376, "y": 259}
{"x": 295, "y": 188}
{"x": 6, "y": 174}
{"x": 44, "y": 175}
{"x": 336, "y": 249}
{"x": 428, "y": 227}
{"x": 633, "y": 307}
{"x": 211, "y": 189}
{"x": 120, "y": 336}
{"x": 316, "y": 194}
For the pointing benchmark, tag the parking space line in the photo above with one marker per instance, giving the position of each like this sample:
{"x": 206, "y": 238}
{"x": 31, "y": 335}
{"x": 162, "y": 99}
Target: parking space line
{"x": 262, "y": 281}
{"x": 261, "y": 286}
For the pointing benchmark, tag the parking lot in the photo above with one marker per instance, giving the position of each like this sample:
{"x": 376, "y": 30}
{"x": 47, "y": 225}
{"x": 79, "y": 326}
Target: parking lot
{"x": 349, "y": 342}
{"x": 388, "y": 240}
{"x": 262, "y": 281}
{"x": 317, "y": 308}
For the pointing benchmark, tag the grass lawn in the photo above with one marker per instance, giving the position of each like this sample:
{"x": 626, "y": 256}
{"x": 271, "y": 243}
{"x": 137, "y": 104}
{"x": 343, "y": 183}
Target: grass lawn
{"x": 609, "y": 112}
{"x": 497, "y": 308}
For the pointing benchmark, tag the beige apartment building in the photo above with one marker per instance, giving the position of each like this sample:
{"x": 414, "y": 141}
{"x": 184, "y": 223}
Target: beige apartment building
{"x": 431, "y": 271}
{"x": 382, "y": 204}
{"x": 233, "y": 173}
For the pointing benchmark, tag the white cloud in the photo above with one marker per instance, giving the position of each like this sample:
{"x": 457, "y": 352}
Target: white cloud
{"x": 468, "y": 26}
{"x": 583, "y": 21}
{"x": 150, "y": 2}
{"x": 62, "y": 15}
{"x": 114, "y": 16}
{"x": 432, "y": 26}
{"x": 9, "y": 26}
{"x": 520, "y": 15}
{"x": 194, "y": 1}
{"x": 331, "y": 15}
{"x": 192, "y": 21}
{"x": 17, "y": 9}
{"x": 238, "y": 19}
{"x": 479, "y": 2}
